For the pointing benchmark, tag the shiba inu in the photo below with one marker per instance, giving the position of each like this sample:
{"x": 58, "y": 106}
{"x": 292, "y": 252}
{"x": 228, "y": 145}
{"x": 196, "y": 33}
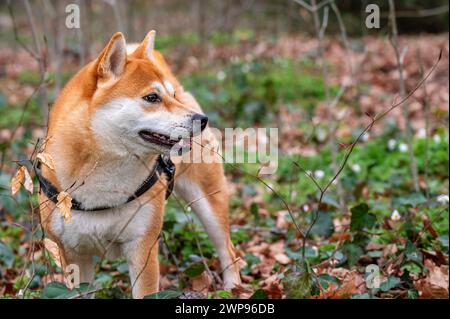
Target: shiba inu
{"x": 108, "y": 132}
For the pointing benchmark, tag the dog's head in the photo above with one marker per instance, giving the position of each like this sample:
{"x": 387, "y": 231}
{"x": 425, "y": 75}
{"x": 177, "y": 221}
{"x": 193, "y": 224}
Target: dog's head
{"x": 137, "y": 104}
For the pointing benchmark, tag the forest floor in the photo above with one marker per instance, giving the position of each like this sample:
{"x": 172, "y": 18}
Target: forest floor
{"x": 245, "y": 83}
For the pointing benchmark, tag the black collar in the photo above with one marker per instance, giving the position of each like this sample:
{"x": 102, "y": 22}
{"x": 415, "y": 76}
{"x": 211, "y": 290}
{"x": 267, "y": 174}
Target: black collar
{"x": 163, "y": 166}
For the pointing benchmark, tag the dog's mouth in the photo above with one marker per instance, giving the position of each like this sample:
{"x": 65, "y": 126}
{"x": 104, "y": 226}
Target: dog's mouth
{"x": 164, "y": 140}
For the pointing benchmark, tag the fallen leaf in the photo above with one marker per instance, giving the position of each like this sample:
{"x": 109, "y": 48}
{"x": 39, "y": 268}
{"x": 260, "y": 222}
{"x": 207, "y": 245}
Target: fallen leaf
{"x": 47, "y": 160}
{"x": 282, "y": 258}
{"x": 17, "y": 180}
{"x": 274, "y": 290}
{"x": 352, "y": 282}
{"x": 53, "y": 249}
{"x": 201, "y": 283}
{"x": 281, "y": 219}
{"x": 243, "y": 291}
{"x": 65, "y": 204}
{"x": 336, "y": 237}
{"x": 435, "y": 285}
{"x": 28, "y": 183}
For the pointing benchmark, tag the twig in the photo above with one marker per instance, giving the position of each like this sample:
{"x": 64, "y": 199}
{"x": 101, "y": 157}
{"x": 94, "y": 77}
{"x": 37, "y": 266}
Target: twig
{"x": 373, "y": 121}
{"x": 400, "y": 58}
{"x": 426, "y": 109}
{"x": 320, "y": 32}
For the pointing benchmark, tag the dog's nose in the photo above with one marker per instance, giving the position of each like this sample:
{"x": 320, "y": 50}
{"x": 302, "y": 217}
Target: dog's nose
{"x": 200, "y": 118}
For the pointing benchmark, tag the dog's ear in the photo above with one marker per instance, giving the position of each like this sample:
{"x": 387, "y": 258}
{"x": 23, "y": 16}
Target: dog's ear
{"x": 112, "y": 60}
{"x": 145, "y": 49}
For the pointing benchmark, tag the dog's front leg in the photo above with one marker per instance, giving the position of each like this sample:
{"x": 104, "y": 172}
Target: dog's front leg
{"x": 79, "y": 268}
{"x": 142, "y": 257}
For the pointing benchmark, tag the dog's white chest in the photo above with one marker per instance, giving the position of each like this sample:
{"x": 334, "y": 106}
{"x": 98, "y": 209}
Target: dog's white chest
{"x": 103, "y": 232}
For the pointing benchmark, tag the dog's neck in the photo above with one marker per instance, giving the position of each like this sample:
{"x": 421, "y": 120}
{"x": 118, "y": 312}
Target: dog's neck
{"x": 93, "y": 176}
{"x": 100, "y": 180}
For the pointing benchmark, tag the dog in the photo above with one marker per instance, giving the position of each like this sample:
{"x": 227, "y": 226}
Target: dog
{"x": 110, "y": 128}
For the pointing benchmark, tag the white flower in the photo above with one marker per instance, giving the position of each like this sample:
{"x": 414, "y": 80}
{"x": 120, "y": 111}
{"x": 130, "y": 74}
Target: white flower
{"x": 305, "y": 207}
{"x": 391, "y": 144}
{"x": 248, "y": 57}
{"x": 395, "y": 216}
{"x": 221, "y": 75}
{"x": 235, "y": 59}
{"x": 436, "y": 138}
{"x": 319, "y": 174}
{"x": 365, "y": 137}
{"x": 321, "y": 134}
{"x": 356, "y": 168}
{"x": 245, "y": 68}
{"x": 403, "y": 147}
{"x": 422, "y": 133}
{"x": 442, "y": 199}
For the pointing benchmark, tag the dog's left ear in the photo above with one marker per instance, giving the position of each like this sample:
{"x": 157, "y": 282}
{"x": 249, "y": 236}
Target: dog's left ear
{"x": 145, "y": 49}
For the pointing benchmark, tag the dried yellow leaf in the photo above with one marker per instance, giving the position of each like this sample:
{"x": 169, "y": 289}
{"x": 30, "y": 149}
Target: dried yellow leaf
{"x": 47, "y": 160}
{"x": 17, "y": 180}
{"x": 28, "y": 183}
{"x": 53, "y": 249}
{"x": 65, "y": 204}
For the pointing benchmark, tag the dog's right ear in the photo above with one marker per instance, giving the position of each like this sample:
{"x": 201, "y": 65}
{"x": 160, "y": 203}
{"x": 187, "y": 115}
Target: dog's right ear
{"x": 145, "y": 48}
{"x": 112, "y": 59}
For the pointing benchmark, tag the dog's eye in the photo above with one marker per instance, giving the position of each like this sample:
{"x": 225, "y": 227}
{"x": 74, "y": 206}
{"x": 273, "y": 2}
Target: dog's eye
{"x": 152, "y": 98}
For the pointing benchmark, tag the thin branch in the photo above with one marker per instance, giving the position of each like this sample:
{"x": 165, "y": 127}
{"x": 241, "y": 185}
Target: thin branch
{"x": 374, "y": 120}
{"x": 400, "y": 58}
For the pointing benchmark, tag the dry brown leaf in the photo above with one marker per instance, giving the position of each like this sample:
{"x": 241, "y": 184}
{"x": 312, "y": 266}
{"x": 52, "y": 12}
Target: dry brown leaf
{"x": 65, "y": 204}
{"x": 201, "y": 283}
{"x": 274, "y": 290}
{"x": 435, "y": 285}
{"x": 47, "y": 160}
{"x": 53, "y": 249}
{"x": 282, "y": 258}
{"x": 243, "y": 291}
{"x": 17, "y": 180}
{"x": 281, "y": 219}
{"x": 28, "y": 183}
{"x": 352, "y": 282}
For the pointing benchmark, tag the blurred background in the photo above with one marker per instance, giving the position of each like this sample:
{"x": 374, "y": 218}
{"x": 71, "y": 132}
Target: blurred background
{"x": 314, "y": 70}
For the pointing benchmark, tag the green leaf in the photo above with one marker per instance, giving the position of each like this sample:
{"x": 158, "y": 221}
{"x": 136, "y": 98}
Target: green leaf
{"x": 299, "y": 285}
{"x": 166, "y": 294}
{"x": 390, "y": 283}
{"x": 413, "y": 254}
{"x": 444, "y": 241}
{"x": 353, "y": 253}
{"x": 326, "y": 279}
{"x": 54, "y": 290}
{"x": 259, "y": 294}
{"x": 255, "y": 211}
{"x": 413, "y": 200}
{"x": 224, "y": 294}
{"x": 6, "y": 255}
{"x": 194, "y": 270}
{"x": 323, "y": 225}
{"x": 361, "y": 218}
{"x": 58, "y": 290}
